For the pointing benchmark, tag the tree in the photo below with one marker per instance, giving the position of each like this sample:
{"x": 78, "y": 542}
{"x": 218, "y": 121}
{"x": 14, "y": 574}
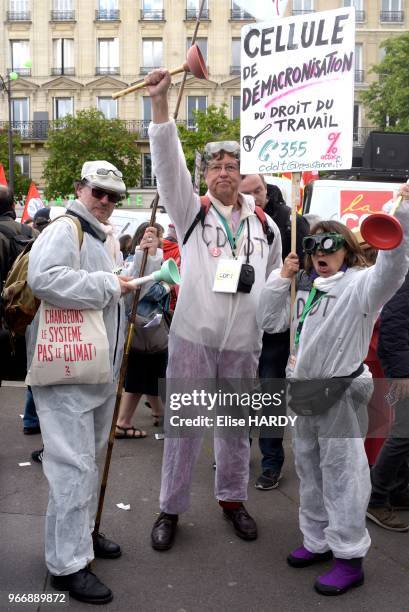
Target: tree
{"x": 211, "y": 125}
{"x": 21, "y": 183}
{"x": 88, "y": 136}
{"x": 387, "y": 99}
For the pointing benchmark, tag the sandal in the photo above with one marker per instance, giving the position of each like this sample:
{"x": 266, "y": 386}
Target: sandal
{"x": 135, "y": 435}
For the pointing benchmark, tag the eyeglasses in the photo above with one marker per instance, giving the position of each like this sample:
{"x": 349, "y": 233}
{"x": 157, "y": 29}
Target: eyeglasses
{"x": 106, "y": 171}
{"x": 229, "y": 146}
{"x": 327, "y": 243}
{"x": 98, "y": 193}
{"x": 229, "y": 168}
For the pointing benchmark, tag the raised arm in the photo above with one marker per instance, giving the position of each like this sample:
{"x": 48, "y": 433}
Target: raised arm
{"x": 168, "y": 161}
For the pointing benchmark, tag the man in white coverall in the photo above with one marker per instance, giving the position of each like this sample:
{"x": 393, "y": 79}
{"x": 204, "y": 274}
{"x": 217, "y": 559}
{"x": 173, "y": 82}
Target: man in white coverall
{"x": 75, "y": 419}
{"x": 214, "y": 335}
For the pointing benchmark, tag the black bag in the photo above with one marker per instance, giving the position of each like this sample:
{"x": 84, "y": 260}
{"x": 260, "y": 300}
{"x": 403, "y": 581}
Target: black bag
{"x": 313, "y": 397}
{"x": 154, "y": 338}
{"x": 13, "y": 358}
{"x": 15, "y": 243}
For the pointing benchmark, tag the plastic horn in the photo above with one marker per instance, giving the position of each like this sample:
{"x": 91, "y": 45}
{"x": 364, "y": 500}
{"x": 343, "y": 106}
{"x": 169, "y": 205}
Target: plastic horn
{"x": 382, "y": 231}
{"x": 194, "y": 63}
{"x": 168, "y": 273}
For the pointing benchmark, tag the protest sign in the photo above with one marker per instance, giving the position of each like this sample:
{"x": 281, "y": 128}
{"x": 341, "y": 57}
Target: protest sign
{"x": 297, "y": 93}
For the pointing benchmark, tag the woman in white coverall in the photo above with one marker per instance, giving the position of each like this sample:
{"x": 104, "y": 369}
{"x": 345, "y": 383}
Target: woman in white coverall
{"x": 338, "y": 301}
{"x": 75, "y": 419}
{"x": 214, "y": 335}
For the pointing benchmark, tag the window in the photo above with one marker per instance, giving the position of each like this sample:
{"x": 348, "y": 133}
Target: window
{"x": 202, "y": 44}
{"x": 153, "y": 10}
{"x": 108, "y": 56}
{"x": 391, "y": 11}
{"x": 195, "y": 103}
{"x": 192, "y": 9}
{"x": 302, "y": 6}
{"x": 237, "y": 12}
{"x": 359, "y": 12}
{"x": 359, "y": 73}
{"x": 357, "y": 136}
{"x": 235, "y": 107}
{"x": 152, "y": 54}
{"x": 148, "y": 178}
{"x": 63, "y": 52}
{"x": 108, "y": 107}
{"x": 24, "y": 162}
{"x": 20, "y": 114}
{"x": 107, "y": 9}
{"x": 62, "y": 10}
{"x": 235, "y": 56}
{"x": 146, "y": 114}
{"x": 63, "y": 107}
{"x": 19, "y": 10}
{"x": 20, "y": 53}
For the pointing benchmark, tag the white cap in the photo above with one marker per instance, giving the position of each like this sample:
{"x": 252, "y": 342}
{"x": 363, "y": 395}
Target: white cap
{"x": 104, "y": 175}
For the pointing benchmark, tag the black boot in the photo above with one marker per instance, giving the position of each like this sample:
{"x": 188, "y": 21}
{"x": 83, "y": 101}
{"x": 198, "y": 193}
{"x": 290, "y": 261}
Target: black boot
{"x": 163, "y": 531}
{"x": 104, "y": 548}
{"x": 84, "y": 586}
{"x": 244, "y": 525}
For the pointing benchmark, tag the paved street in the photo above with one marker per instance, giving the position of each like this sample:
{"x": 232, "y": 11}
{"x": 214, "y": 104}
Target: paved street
{"x": 209, "y": 569}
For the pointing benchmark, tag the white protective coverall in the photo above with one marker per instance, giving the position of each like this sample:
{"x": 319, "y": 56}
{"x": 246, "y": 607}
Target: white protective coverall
{"x": 75, "y": 419}
{"x": 332, "y": 466}
{"x": 213, "y": 335}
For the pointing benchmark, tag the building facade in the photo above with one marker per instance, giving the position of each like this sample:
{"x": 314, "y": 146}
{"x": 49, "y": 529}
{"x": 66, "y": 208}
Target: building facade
{"x": 81, "y": 51}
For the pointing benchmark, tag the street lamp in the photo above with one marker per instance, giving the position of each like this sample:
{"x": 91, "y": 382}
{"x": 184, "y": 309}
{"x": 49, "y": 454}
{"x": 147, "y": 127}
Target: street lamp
{"x": 6, "y": 86}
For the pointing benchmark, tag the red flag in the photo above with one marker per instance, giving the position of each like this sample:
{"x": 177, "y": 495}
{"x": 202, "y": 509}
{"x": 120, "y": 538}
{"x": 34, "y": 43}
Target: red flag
{"x": 33, "y": 203}
{"x": 3, "y": 180}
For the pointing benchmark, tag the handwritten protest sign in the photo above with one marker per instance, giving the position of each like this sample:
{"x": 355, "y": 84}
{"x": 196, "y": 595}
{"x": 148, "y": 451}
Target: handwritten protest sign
{"x": 71, "y": 348}
{"x": 297, "y": 92}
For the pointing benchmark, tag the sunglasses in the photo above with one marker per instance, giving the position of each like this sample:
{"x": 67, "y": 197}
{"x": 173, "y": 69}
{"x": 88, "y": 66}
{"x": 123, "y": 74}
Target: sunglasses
{"x": 106, "y": 171}
{"x": 98, "y": 193}
{"x": 327, "y": 243}
{"x": 229, "y": 146}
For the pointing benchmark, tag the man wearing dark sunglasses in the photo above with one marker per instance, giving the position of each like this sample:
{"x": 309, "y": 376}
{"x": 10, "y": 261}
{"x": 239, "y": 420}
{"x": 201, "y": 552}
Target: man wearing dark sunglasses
{"x": 75, "y": 419}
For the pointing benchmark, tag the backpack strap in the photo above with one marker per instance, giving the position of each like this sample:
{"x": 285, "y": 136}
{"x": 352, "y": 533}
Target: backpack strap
{"x": 76, "y": 222}
{"x": 205, "y": 204}
{"x": 261, "y": 216}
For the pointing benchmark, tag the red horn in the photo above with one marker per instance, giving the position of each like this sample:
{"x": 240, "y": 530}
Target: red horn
{"x": 382, "y": 231}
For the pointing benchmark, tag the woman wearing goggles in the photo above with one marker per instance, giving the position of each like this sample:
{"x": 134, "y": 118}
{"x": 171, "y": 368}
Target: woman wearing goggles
{"x": 338, "y": 301}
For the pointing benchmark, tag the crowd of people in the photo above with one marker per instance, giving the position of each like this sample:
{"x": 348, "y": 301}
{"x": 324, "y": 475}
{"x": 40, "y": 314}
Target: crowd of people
{"x": 222, "y": 330}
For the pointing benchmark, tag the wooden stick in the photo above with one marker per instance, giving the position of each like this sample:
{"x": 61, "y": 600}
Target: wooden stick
{"x": 142, "y": 84}
{"x": 293, "y": 250}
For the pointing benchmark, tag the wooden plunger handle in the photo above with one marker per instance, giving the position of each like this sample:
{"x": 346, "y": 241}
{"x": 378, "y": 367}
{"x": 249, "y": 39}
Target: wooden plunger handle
{"x": 142, "y": 84}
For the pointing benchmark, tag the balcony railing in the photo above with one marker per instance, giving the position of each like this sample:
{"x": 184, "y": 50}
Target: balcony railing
{"x": 359, "y": 76}
{"x": 235, "y": 69}
{"x": 148, "y": 181}
{"x": 99, "y": 70}
{"x": 239, "y": 15}
{"x": 62, "y": 15}
{"x": 18, "y": 16}
{"x": 38, "y": 130}
{"x": 360, "y": 16}
{"x": 392, "y": 16}
{"x": 360, "y": 134}
{"x": 152, "y": 15}
{"x": 107, "y": 15}
{"x": 23, "y": 71}
{"x": 147, "y": 69}
{"x": 302, "y": 12}
{"x": 63, "y": 71}
{"x": 192, "y": 14}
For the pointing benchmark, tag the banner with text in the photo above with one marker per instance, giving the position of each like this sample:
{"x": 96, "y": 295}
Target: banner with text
{"x": 297, "y": 93}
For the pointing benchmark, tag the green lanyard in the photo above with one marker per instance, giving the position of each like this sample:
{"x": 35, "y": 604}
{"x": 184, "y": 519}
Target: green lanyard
{"x": 314, "y": 297}
{"x": 232, "y": 239}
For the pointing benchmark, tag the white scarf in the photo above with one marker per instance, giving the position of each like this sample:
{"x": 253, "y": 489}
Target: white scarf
{"x": 326, "y": 284}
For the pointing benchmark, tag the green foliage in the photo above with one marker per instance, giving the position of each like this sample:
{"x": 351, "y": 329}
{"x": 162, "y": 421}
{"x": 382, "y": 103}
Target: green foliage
{"x": 21, "y": 183}
{"x": 211, "y": 125}
{"x": 387, "y": 100}
{"x": 84, "y": 137}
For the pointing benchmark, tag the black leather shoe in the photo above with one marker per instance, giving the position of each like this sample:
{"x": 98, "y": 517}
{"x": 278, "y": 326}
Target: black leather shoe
{"x": 84, "y": 586}
{"x": 163, "y": 531}
{"x": 244, "y": 526}
{"x": 104, "y": 548}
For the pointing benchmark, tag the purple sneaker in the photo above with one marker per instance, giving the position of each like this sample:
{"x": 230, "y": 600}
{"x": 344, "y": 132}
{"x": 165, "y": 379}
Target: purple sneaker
{"x": 301, "y": 557}
{"x": 344, "y": 574}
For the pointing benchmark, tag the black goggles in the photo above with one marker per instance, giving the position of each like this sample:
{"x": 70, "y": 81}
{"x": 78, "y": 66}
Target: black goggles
{"x": 327, "y": 243}
{"x": 99, "y": 193}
